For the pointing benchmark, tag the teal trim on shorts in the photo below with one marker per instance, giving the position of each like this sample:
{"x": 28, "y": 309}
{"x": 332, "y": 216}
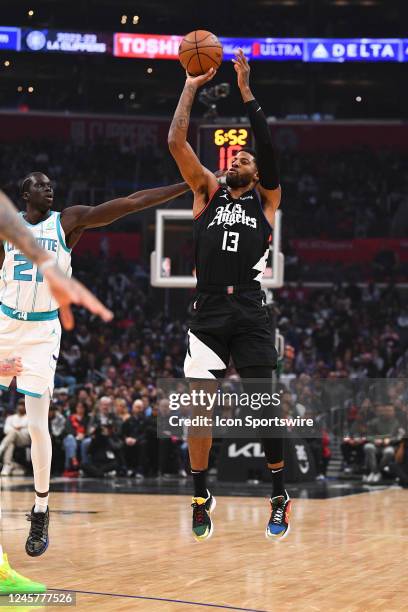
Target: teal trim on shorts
{"x": 59, "y": 232}
{"x": 30, "y": 393}
{"x": 4, "y": 388}
{"x": 22, "y": 315}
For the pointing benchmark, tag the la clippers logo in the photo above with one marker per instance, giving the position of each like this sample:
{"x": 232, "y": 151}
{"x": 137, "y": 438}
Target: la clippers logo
{"x": 232, "y": 214}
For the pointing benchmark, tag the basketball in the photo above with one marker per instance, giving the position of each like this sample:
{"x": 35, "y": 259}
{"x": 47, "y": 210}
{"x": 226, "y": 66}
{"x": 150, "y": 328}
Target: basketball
{"x": 199, "y": 51}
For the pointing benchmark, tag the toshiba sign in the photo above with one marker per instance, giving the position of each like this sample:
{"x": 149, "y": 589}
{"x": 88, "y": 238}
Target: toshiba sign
{"x": 152, "y": 46}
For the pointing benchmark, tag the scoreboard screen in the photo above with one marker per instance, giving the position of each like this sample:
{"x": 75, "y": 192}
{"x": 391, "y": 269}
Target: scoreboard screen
{"x": 217, "y": 145}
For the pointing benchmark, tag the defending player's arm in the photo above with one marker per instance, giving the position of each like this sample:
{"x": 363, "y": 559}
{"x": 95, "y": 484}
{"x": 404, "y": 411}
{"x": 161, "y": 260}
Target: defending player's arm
{"x": 269, "y": 184}
{"x": 76, "y": 219}
{"x": 65, "y": 290}
{"x": 201, "y": 180}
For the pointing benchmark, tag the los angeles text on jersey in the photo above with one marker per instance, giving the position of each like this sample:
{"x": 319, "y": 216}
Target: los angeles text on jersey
{"x": 231, "y": 214}
{"x": 49, "y": 244}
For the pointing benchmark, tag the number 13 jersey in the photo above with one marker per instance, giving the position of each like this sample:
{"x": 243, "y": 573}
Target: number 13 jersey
{"x": 23, "y": 285}
{"x": 231, "y": 238}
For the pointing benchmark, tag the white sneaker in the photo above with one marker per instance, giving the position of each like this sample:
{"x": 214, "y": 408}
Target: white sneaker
{"x": 370, "y": 477}
{"x": 376, "y": 477}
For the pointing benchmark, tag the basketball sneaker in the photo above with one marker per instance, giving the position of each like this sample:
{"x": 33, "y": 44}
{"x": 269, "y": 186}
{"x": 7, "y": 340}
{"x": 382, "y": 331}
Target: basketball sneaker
{"x": 202, "y": 523}
{"x": 278, "y": 526}
{"x": 12, "y": 582}
{"x": 37, "y": 541}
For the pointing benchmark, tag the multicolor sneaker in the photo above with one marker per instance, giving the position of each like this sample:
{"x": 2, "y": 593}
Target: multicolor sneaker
{"x": 11, "y": 582}
{"x": 278, "y": 526}
{"x": 202, "y": 524}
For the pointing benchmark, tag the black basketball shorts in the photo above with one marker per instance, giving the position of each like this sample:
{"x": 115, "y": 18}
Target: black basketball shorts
{"x": 224, "y": 326}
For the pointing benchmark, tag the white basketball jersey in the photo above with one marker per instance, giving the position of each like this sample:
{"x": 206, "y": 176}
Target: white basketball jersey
{"x": 23, "y": 285}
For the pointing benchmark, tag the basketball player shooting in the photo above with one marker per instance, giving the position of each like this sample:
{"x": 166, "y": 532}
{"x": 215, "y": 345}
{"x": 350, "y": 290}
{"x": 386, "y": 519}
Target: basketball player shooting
{"x": 29, "y": 324}
{"x": 232, "y": 230}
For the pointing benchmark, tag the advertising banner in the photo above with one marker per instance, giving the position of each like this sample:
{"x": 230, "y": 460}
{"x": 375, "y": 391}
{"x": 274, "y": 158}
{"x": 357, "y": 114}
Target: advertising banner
{"x": 66, "y": 42}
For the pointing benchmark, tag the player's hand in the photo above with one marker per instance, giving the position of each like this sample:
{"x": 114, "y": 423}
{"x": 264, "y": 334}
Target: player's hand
{"x": 201, "y": 79}
{"x": 242, "y": 69}
{"x": 69, "y": 291}
{"x": 11, "y": 367}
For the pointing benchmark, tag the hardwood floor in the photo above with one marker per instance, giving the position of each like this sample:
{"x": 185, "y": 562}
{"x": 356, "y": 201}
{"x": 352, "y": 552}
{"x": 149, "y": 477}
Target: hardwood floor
{"x": 135, "y": 552}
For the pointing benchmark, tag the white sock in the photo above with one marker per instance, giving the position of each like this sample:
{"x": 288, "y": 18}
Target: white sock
{"x": 41, "y": 451}
{"x": 41, "y": 504}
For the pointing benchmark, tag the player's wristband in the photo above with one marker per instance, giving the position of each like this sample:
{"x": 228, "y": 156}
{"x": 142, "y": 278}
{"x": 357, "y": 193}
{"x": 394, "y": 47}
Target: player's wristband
{"x": 49, "y": 263}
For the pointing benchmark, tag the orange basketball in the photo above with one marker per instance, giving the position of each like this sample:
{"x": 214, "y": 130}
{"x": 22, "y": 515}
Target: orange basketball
{"x": 199, "y": 51}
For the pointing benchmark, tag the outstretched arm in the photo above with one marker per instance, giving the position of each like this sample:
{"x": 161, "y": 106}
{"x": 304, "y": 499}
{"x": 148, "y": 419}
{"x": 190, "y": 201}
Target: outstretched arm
{"x": 269, "y": 185}
{"x": 201, "y": 180}
{"x": 76, "y": 219}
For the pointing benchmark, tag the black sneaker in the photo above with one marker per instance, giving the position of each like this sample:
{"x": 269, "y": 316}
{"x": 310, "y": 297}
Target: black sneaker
{"x": 278, "y": 526}
{"x": 202, "y": 523}
{"x": 37, "y": 541}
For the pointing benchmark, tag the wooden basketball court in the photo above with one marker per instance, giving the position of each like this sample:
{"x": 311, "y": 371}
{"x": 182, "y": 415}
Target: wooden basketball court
{"x": 135, "y": 552}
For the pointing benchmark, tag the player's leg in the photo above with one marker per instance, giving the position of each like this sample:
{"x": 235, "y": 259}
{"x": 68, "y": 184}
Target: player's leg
{"x": 39, "y": 356}
{"x": 278, "y": 525}
{"x": 206, "y": 360}
{"x": 255, "y": 357}
{"x": 41, "y": 453}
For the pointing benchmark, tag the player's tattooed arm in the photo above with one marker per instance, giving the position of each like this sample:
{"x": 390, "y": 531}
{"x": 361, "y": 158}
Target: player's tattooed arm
{"x": 76, "y": 219}
{"x": 197, "y": 176}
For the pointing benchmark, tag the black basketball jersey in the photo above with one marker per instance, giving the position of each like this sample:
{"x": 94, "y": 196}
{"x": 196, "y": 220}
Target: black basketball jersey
{"x": 231, "y": 240}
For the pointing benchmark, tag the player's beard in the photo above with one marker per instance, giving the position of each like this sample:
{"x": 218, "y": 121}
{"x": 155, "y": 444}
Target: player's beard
{"x": 236, "y": 180}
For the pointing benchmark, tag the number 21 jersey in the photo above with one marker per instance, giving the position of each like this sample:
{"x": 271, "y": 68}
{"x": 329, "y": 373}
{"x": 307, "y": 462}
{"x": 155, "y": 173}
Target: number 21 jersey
{"x": 24, "y": 287}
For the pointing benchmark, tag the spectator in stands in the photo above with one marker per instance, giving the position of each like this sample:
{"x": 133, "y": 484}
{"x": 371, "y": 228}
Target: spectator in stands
{"x": 15, "y": 436}
{"x": 173, "y": 449}
{"x": 57, "y": 426}
{"x": 76, "y": 430}
{"x": 352, "y": 447}
{"x": 132, "y": 433}
{"x": 399, "y": 469}
{"x": 104, "y": 452}
{"x": 382, "y": 433}
{"x": 121, "y": 409}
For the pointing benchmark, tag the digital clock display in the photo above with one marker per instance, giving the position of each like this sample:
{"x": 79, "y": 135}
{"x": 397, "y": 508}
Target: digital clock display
{"x": 217, "y": 146}
{"x": 231, "y": 137}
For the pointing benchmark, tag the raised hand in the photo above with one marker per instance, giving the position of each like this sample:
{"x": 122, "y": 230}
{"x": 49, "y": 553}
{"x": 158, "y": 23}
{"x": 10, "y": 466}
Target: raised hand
{"x": 201, "y": 79}
{"x": 242, "y": 69}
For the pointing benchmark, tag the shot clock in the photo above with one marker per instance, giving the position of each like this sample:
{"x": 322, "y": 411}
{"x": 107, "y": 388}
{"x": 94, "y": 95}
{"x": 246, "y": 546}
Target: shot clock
{"x": 218, "y": 145}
